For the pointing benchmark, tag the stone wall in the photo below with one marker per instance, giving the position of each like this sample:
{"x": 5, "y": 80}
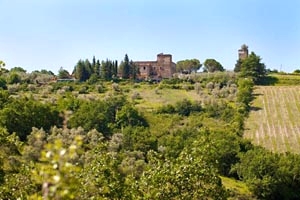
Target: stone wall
{"x": 243, "y": 52}
{"x": 163, "y": 67}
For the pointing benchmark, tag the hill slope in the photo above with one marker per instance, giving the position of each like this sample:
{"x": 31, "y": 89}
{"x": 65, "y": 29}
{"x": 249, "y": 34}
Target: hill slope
{"x": 274, "y": 121}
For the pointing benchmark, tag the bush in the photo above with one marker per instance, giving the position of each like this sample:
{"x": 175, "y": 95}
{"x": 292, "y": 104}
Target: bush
{"x": 116, "y": 87}
{"x": 13, "y": 78}
{"x": 83, "y": 90}
{"x": 168, "y": 109}
{"x": 187, "y": 87}
{"x": 244, "y": 95}
{"x": 13, "y": 88}
{"x": 101, "y": 115}
{"x": 198, "y": 88}
{"x": 93, "y": 79}
{"x": 3, "y": 83}
{"x": 136, "y": 96}
{"x": 210, "y": 86}
{"x": 183, "y": 108}
{"x": 100, "y": 88}
{"x": 139, "y": 139}
{"x": 297, "y": 71}
{"x": 21, "y": 115}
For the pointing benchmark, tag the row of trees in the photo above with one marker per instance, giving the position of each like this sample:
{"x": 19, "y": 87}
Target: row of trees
{"x": 193, "y": 65}
{"x": 105, "y": 70}
{"x": 108, "y": 69}
{"x": 250, "y": 67}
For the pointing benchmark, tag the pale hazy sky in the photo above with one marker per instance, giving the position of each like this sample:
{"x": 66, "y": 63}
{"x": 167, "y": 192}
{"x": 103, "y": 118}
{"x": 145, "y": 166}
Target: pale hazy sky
{"x": 48, "y": 34}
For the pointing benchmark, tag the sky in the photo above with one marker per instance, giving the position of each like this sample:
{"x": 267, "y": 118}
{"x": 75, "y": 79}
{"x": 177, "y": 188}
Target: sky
{"x": 50, "y": 34}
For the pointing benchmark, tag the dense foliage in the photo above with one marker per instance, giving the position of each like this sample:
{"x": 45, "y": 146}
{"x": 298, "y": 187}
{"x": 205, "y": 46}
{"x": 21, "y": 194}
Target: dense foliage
{"x": 251, "y": 67}
{"x": 211, "y": 65}
{"x": 188, "y": 65}
{"x": 99, "y": 139}
{"x": 20, "y": 115}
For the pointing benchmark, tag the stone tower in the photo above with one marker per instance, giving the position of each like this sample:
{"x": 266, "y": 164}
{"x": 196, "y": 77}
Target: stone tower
{"x": 243, "y": 52}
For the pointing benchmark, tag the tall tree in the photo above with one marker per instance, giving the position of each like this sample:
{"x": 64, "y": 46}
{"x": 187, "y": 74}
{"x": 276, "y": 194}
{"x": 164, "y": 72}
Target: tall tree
{"x": 98, "y": 68}
{"x": 83, "y": 70}
{"x": 211, "y": 65}
{"x": 2, "y": 65}
{"x": 115, "y": 69}
{"x": 188, "y": 65}
{"x": 126, "y": 68}
{"x": 94, "y": 65}
{"x": 134, "y": 70}
{"x": 106, "y": 69}
{"x": 252, "y": 67}
{"x": 88, "y": 66}
{"x": 80, "y": 71}
{"x": 62, "y": 73}
{"x": 44, "y": 71}
{"x": 238, "y": 65}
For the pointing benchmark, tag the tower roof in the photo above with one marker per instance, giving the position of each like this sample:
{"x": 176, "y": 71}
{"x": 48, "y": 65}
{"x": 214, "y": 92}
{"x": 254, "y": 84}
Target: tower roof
{"x": 244, "y": 46}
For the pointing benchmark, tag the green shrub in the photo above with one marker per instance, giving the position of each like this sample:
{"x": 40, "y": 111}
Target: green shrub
{"x": 3, "y": 83}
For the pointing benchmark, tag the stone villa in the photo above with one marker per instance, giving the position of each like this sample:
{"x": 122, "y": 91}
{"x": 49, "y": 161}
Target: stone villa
{"x": 163, "y": 67}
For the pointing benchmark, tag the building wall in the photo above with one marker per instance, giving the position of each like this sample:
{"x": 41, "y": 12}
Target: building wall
{"x": 163, "y": 67}
{"x": 145, "y": 68}
{"x": 243, "y": 52}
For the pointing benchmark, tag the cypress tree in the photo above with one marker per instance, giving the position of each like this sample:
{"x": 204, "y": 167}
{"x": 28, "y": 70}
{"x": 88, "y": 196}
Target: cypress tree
{"x": 94, "y": 69}
{"x": 126, "y": 68}
{"x": 98, "y": 68}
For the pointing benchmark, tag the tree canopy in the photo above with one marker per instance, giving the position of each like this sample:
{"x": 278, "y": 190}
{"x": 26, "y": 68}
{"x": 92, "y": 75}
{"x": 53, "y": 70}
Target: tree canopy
{"x": 83, "y": 70}
{"x": 252, "y": 67}
{"x": 21, "y": 115}
{"x": 188, "y": 65}
{"x": 18, "y": 69}
{"x": 128, "y": 69}
{"x": 211, "y": 65}
{"x": 2, "y": 65}
{"x": 63, "y": 74}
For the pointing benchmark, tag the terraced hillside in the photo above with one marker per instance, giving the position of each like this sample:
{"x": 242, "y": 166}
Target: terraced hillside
{"x": 274, "y": 121}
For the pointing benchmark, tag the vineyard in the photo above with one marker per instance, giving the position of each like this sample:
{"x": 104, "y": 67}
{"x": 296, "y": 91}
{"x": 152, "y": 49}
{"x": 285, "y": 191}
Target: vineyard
{"x": 274, "y": 121}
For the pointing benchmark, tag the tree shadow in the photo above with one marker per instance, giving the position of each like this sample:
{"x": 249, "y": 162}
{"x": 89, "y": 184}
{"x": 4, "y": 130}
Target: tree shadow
{"x": 254, "y": 108}
{"x": 268, "y": 80}
{"x": 255, "y": 95}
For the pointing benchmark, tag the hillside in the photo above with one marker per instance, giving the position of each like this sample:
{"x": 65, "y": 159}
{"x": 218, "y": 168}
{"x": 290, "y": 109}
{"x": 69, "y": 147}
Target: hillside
{"x": 274, "y": 121}
{"x": 116, "y": 139}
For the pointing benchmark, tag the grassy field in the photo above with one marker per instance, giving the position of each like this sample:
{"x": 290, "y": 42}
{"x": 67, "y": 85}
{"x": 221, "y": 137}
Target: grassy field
{"x": 284, "y": 79}
{"x": 237, "y": 187}
{"x": 153, "y": 98}
{"x": 274, "y": 121}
